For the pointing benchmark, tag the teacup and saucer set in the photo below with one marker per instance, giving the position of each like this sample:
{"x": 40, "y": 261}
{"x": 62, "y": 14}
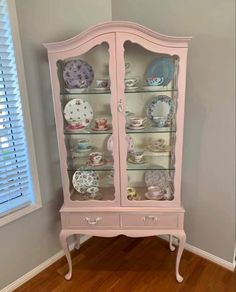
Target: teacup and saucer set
{"x": 102, "y": 84}
{"x": 132, "y": 194}
{"x": 137, "y": 157}
{"x": 155, "y": 193}
{"x": 83, "y": 146}
{"x": 96, "y": 159}
{"x": 131, "y": 84}
{"x": 158, "y": 145}
{"x": 94, "y": 194}
{"x": 101, "y": 124}
{"x": 137, "y": 123}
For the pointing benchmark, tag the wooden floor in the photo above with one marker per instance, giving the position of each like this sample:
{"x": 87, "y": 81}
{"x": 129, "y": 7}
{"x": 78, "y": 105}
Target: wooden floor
{"x": 123, "y": 264}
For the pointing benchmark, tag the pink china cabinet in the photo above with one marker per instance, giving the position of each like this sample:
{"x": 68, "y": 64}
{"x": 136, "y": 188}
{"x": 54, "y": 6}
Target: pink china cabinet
{"x": 119, "y": 94}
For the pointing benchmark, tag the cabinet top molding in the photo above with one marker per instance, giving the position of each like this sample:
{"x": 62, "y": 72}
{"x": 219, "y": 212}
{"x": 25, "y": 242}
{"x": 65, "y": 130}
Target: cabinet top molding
{"x": 118, "y": 27}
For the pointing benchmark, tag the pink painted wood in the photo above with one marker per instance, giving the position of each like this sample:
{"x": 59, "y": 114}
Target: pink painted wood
{"x": 120, "y": 216}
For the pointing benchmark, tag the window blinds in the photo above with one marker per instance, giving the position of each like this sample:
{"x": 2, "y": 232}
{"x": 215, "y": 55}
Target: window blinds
{"x": 15, "y": 179}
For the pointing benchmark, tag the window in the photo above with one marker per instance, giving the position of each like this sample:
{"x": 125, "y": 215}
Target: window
{"x": 18, "y": 184}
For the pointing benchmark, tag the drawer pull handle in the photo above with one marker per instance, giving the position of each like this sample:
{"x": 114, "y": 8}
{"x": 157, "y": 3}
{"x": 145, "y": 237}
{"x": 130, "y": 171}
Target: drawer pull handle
{"x": 150, "y": 218}
{"x": 93, "y": 222}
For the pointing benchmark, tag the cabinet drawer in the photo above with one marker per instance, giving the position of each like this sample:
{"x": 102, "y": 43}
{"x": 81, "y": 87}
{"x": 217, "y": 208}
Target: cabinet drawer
{"x": 158, "y": 220}
{"x": 90, "y": 220}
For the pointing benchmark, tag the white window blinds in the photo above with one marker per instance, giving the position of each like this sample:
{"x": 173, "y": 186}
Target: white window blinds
{"x": 15, "y": 179}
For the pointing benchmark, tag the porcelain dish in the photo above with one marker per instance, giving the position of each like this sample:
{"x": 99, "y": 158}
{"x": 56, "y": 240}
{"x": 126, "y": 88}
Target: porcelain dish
{"x": 160, "y": 70}
{"x": 77, "y": 74}
{"x": 161, "y": 106}
{"x": 129, "y": 143}
{"x": 78, "y": 111}
{"x": 82, "y": 180}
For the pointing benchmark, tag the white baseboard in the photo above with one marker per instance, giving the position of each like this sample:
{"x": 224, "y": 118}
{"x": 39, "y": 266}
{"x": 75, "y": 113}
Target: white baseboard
{"x": 228, "y": 265}
{"x": 40, "y": 268}
{"x": 219, "y": 261}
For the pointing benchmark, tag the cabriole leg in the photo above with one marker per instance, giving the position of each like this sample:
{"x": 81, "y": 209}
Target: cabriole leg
{"x": 172, "y": 247}
{"x": 182, "y": 240}
{"x": 77, "y": 244}
{"x": 64, "y": 244}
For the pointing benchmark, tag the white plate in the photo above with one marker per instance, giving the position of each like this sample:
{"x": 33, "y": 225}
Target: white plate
{"x": 78, "y": 111}
{"x": 152, "y": 88}
{"x": 129, "y": 141}
{"x": 82, "y": 180}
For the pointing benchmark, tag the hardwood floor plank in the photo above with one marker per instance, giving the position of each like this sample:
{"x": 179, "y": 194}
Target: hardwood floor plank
{"x": 123, "y": 264}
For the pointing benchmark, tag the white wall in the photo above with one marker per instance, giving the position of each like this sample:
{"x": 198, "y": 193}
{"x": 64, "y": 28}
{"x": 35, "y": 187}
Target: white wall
{"x": 208, "y": 168}
{"x": 27, "y": 242}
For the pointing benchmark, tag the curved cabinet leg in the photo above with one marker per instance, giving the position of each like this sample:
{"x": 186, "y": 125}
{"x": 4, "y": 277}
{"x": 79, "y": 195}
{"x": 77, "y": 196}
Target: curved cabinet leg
{"x": 77, "y": 245}
{"x": 172, "y": 247}
{"x": 64, "y": 244}
{"x": 182, "y": 240}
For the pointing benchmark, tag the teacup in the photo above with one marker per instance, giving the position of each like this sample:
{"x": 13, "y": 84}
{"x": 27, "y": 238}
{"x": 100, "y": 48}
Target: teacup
{"x": 159, "y": 121}
{"x": 103, "y": 83}
{"x": 92, "y": 191}
{"x": 137, "y": 156}
{"x": 159, "y": 143}
{"x": 156, "y": 192}
{"x": 131, "y": 82}
{"x": 137, "y": 121}
{"x": 83, "y": 144}
{"x": 75, "y": 125}
{"x": 95, "y": 157}
{"x": 101, "y": 123}
{"x": 154, "y": 81}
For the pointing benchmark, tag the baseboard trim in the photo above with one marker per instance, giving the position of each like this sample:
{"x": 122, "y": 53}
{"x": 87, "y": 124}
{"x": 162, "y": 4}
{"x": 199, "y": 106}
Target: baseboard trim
{"x": 206, "y": 255}
{"x": 11, "y": 287}
{"x": 228, "y": 265}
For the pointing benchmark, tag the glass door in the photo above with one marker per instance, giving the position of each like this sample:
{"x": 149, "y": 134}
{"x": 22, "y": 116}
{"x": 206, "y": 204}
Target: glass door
{"x": 149, "y": 90}
{"x": 87, "y": 97}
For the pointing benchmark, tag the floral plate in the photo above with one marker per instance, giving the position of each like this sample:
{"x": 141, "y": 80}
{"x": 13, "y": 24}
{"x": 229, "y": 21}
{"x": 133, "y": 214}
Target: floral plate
{"x": 78, "y": 74}
{"x": 82, "y": 180}
{"x": 78, "y": 111}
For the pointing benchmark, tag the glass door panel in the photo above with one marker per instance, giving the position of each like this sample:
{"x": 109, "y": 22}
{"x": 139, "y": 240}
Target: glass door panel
{"x": 150, "y": 99}
{"x": 89, "y": 122}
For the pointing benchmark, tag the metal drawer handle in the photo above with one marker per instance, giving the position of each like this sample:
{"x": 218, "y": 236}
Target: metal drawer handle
{"x": 150, "y": 218}
{"x": 93, "y": 222}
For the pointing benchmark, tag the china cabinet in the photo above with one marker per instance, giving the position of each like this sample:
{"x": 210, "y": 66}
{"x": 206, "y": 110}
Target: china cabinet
{"x": 118, "y": 93}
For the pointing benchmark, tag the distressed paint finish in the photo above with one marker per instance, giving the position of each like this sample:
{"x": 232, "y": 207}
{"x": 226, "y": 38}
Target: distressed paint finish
{"x": 120, "y": 216}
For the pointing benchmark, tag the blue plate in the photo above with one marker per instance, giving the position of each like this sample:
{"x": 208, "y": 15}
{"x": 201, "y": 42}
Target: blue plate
{"x": 161, "y": 106}
{"x": 162, "y": 68}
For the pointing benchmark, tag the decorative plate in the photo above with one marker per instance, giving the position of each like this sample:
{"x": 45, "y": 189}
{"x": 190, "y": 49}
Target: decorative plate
{"x": 82, "y": 180}
{"x": 162, "y": 68}
{"x": 161, "y": 106}
{"x": 78, "y": 74}
{"x": 158, "y": 177}
{"x": 129, "y": 141}
{"x": 78, "y": 111}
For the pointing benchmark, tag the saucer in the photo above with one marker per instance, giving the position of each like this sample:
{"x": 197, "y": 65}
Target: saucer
{"x": 101, "y": 129}
{"x": 135, "y": 128}
{"x": 101, "y": 89}
{"x": 72, "y": 129}
{"x": 150, "y": 197}
{"x": 164, "y": 149}
{"x": 89, "y": 148}
{"x": 142, "y": 161}
{"x": 152, "y": 88}
{"x": 131, "y": 88}
{"x": 102, "y": 162}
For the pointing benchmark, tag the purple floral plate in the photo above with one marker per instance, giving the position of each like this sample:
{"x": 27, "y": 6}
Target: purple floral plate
{"x": 78, "y": 74}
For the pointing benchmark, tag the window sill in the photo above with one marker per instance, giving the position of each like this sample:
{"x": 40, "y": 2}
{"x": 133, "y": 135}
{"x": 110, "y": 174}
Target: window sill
{"x": 19, "y": 213}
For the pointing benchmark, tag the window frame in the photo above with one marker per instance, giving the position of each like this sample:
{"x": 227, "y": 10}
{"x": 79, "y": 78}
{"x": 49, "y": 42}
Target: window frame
{"x": 23, "y": 210}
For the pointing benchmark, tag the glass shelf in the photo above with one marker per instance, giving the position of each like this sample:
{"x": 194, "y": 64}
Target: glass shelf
{"x": 81, "y": 163}
{"x": 153, "y": 162}
{"x": 86, "y": 131}
{"x": 139, "y": 90}
{"x": 151, "y": 129}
